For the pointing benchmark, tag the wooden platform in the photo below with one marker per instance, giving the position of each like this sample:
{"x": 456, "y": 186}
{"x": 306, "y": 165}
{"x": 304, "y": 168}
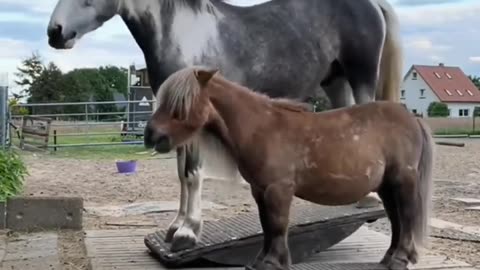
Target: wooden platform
{"x": 234, "y": 241}
{"x": 125, "y": 250}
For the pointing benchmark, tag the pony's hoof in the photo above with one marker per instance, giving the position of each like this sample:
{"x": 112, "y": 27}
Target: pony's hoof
{"x": 369, "y": 201}
{"x": 398, "y": 264}
{"x": 386, "y": 260}
{"x": 183, "y": 240}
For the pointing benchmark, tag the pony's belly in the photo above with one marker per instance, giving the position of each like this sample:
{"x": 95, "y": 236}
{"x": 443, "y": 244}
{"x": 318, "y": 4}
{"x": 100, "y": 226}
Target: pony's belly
{"x": 335, "y": 191}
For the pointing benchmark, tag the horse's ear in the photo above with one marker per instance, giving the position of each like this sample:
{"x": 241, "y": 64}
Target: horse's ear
{"x": 203, "y": 76}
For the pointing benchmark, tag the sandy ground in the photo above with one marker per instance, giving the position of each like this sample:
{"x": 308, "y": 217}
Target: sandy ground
{"x": 457, "y": 173}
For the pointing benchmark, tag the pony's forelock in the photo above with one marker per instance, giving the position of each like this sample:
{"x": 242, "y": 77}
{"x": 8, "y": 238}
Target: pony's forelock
{"x": 179, "y": 92}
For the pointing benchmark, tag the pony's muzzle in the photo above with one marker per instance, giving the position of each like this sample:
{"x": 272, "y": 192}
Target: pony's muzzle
{"x": 159, "y": 141}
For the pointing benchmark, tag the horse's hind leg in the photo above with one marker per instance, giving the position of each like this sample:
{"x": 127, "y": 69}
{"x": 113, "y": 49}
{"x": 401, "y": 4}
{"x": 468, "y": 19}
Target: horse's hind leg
{"x": 386, "y": 193}
{"x": 189, "y": 232}
{"x": 405, "y": 194}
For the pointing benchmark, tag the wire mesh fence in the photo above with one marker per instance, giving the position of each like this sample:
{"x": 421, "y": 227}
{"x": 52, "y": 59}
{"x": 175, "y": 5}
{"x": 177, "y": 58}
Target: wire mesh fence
{"x": 80, "y": 124}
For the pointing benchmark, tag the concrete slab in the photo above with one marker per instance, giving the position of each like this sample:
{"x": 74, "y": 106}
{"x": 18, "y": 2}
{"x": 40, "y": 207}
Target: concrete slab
{"x": 3, "y": 216}
{"x": 47, "y": 263}
{"x": 442, "y": 224}
{"x": 468, "y": 201}
{"x": 44, "y": 213}
{"x": 473, "y": 208}
{"x": 142, "y": 208}
{"x": 31, "y": 246}
{"x": 31, "y": 252}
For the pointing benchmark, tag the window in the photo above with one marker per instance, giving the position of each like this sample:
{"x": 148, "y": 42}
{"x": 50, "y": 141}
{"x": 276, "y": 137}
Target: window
{"x": 448, "y": 92}
{"x": 403, "y": 93}
{"x": 469, "y": 92}
{"x": 436, "y": 74}
{"x": 463, "y": 112}
{"x": 422, "y": 93}
{"x": 448, "y": 75}
{"x": 414, "y": 111}
{"x": 458, "y": 92}
{"x": 414, "y": 75}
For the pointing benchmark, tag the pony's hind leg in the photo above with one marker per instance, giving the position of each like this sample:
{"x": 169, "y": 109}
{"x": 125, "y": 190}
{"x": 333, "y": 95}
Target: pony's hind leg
{"x": 187, "y": 235}
{"x": 386, "y": 193}
{"x": 405, "y": 195}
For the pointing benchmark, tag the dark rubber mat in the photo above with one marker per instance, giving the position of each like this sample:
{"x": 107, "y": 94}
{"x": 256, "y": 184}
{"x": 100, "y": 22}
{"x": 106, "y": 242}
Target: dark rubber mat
{"x": 236, "y": 241}
{"x": 338, "y": 266}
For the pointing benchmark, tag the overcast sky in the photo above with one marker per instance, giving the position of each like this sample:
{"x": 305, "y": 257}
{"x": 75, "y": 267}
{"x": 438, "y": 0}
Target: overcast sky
{"x": 432, "y": 31}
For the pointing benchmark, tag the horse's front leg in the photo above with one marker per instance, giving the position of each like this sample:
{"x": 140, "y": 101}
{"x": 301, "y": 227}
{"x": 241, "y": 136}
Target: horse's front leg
{"x": 278, "y": 199}
{"x": 189, "y": 232}
{"x": 182, "y": 209}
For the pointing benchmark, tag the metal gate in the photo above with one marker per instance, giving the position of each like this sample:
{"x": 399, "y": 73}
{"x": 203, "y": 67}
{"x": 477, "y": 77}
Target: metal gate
{"x": 4, "y": 138}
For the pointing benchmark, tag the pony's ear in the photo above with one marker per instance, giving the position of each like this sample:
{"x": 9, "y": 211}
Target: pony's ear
{"x": 203, "y": 76}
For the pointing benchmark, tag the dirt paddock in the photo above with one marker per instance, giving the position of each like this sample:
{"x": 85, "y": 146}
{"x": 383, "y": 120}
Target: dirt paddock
{"x": 457, "y": 174}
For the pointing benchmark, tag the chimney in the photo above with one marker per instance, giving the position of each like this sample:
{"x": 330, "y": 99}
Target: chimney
{"x": 441, "y": 64}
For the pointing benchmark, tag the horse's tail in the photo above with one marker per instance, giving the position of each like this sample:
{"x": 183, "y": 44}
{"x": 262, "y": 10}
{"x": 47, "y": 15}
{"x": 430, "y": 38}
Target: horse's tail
{"x": 425, "y": 185}
{"x": 391, "y": 63}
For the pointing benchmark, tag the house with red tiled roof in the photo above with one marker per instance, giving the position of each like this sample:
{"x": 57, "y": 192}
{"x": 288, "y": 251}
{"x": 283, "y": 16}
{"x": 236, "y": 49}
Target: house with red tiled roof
{"x": 424, "y": 84}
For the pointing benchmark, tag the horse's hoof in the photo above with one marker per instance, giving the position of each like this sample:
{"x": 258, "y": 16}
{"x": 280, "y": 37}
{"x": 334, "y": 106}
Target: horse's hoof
{"x": 369, "y": 201}
{"x": 386, "y": 260}
{"x": 170, "y": 233}
{"x": 183, "y": 239}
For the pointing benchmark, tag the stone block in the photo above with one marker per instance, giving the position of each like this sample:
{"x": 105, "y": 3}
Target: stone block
{"x": 3, "y": 216}
{"x": 44, "y": 213}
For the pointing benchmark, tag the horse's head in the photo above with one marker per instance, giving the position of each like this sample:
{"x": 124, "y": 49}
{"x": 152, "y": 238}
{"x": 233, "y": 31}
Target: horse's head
{"x": 71, "y": 19}
{"x": 184, "y": 108}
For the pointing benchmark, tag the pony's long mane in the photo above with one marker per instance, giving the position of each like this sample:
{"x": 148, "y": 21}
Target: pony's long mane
{"x": 180, "y": 90}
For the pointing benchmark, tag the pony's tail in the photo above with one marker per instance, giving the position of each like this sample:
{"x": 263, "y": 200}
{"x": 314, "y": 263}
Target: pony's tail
{"x": 425, "y": 186}
{"x": 391, "y": 63}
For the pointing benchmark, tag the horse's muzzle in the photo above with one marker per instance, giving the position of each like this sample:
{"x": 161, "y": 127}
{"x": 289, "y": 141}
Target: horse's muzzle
{"x": 57, "y": 38}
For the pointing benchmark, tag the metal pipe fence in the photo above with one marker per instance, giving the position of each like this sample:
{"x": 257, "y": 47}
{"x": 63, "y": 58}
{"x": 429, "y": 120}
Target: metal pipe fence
{"x": 80, "y": 124}
{"x": 3, "y": 117}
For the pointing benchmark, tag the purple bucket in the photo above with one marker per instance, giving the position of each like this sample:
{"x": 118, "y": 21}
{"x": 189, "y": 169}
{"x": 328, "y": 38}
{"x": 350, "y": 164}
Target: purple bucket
{"x": 127, "y": 166}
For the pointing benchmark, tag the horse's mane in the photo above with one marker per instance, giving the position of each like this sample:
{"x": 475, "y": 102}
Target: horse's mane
{"x": 291, "y": 105}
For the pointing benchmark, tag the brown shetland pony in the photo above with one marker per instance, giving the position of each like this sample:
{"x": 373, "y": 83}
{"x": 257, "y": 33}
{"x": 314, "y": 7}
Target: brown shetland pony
{"x": 283, "y": 150}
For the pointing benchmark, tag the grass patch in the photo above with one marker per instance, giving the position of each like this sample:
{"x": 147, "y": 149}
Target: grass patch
{"x": 457, "y": 132}
{"x": 12, "y": 174}
{"x": 116, "y": 152}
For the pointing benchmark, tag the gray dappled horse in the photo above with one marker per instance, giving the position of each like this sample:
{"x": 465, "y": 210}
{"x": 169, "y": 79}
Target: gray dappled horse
{"x": 351, "y": 48}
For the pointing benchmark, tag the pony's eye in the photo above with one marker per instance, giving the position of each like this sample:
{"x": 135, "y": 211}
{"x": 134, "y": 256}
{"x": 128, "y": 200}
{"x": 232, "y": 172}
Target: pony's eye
{"x": 88, "y": 3}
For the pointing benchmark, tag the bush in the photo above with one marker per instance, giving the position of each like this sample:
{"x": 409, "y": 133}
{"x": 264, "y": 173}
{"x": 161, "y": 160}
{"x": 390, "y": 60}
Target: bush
{"x": 438, "y": 109}
{"x": 12, "y": 174}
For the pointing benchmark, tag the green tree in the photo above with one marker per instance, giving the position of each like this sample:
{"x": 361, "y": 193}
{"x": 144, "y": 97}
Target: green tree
{"x": 475, "y": 80}
{"x": 438, "y": 109}
{"x": 31, "y": 69}
{"x": 48, "y": 88}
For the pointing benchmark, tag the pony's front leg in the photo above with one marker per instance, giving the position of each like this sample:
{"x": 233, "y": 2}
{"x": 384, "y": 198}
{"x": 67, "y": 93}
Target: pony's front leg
{"x": 278, "y": 199}
{"x": 259, "y": 197}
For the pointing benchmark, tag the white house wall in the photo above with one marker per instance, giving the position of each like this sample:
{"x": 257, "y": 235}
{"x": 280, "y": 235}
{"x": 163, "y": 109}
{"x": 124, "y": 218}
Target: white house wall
{"x": 456, "y": 107}
{"x": 412, "y": 98}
